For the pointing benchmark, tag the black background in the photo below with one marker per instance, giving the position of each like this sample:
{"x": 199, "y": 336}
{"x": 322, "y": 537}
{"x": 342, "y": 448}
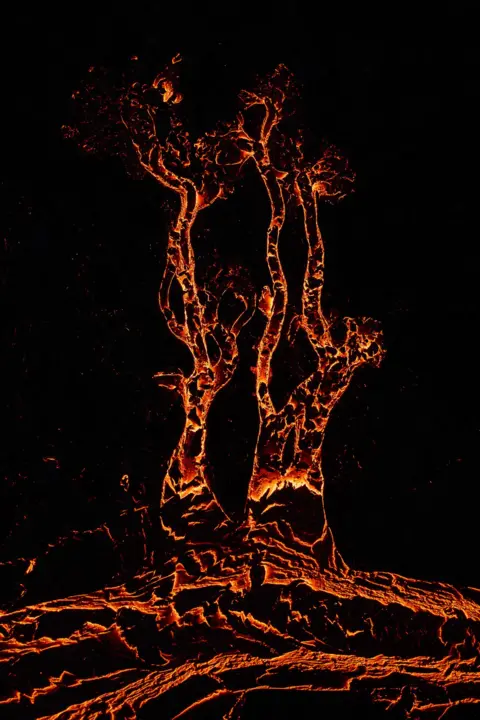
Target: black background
{"x": 83, "y": 247}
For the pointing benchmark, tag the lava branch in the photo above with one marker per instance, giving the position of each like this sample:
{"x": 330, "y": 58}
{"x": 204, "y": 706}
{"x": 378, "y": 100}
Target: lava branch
{"x": 306, "y": 413}
{"x": 200, "y": 320}
{"x": 285, "y": 175}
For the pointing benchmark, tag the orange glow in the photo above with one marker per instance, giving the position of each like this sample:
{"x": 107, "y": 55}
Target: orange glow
{"x": 270, "y": 594}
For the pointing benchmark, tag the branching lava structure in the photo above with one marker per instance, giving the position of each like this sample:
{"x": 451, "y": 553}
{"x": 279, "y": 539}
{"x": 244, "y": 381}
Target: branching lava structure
{"x": 238, "y": 608}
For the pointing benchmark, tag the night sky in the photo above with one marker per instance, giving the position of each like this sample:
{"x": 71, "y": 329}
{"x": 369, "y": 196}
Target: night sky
{"x": 82, "y": 250}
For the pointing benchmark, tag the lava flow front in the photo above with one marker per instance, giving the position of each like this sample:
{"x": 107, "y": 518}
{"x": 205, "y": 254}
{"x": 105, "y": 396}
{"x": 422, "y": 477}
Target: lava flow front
{"x": 223, "y": 610}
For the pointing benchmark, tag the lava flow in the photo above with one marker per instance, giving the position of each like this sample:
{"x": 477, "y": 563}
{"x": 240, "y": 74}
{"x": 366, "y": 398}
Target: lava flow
{"x": 227, "y": 609}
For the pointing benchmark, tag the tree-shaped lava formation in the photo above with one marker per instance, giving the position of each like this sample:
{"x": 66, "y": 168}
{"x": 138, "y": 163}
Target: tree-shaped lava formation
{"x": 222, "y": 608}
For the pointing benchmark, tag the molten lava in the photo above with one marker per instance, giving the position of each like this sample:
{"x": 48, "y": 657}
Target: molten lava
{"x": 236, "y": 608}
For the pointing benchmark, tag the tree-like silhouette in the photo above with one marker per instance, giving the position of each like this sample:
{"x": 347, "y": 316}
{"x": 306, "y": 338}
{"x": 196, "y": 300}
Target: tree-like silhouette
{"x": 237, "y": 607}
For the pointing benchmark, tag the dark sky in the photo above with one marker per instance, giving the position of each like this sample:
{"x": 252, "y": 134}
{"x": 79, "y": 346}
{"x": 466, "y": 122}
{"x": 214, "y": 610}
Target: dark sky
{"x": 83, "y": 245}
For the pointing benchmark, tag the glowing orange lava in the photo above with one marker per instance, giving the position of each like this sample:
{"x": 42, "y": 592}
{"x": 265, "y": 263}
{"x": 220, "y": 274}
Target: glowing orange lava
{"x": 238, "y": 608}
